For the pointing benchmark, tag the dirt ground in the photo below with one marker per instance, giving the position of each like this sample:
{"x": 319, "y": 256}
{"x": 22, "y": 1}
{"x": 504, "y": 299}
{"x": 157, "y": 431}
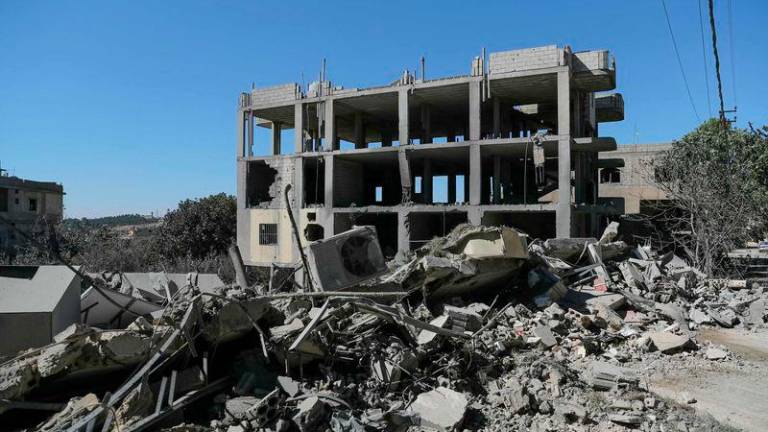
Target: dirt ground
{"x": 733, "y": 391}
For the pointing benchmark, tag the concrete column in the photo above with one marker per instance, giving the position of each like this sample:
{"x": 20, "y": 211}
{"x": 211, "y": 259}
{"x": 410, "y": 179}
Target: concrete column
{"x": 426, "y": 181}
{"x": 298, "y": 128}
{"x": 240, "y": 145}
{"x": 403, "y": 233}
{"x": 475, "y": 177}
{"x": 331, "y": 143}
{"x": 359, "y": 131}
{"x": 474, "y": 110}
{"x": 402, "y": 114}
{"x": 497, "y": 179}
{"x": 251, "y": 128}
{"x": 328, "y": 197}
{"x": 563, "y": 217}
{"x": 406, "y": 184}
{"x": 496, "y": 117}
{"x": 298, "y": 186}
{"x": 475, "y": 215}
{"x": 451, "y": 188}
{"x": 242, "y": 171}
{"x": 276, "y": 129}
{"x": 426, "y": 124}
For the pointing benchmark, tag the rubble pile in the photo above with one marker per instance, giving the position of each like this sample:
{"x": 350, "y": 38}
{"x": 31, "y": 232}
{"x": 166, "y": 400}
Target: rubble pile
{"x": 478, "y": 330}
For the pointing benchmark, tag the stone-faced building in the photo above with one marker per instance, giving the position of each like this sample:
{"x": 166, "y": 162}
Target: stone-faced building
{"x": 24, "y": 203}
{"x": 418, "y": 156}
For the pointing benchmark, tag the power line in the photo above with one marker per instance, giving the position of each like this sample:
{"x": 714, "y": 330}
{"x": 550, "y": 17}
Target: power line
{"x": 732, "y": 51}
{"x": 704, "y": 56}
{"x": 679, "y": 62}
{"x": 717, "y": 59}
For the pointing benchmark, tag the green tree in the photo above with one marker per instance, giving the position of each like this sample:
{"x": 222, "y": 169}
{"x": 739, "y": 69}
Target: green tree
{"x": 199, "y": 228}
{"x": 717, "y": 179}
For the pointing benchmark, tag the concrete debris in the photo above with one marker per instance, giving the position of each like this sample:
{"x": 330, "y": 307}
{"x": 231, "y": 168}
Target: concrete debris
{"x": 442, "y": 409}
{"x": 475, "y": 330}
{"x": 715, "y": 353}
{"x": 668, "y": 342}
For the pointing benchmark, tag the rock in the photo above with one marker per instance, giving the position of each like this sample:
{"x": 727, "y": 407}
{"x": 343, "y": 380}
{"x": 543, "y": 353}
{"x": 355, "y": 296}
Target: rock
{"x": 610, "y": 233}
{"x": 512, "y": 396}
{"x": 715, "y": 354}
{"x": 615, "y": 322}
{"x": 288, "y": 385}
{"x": 756, "y": 312}
{"x": 236, "y": 407}
{"x": 725, "y": 317}
{"x": 571, "y": 412}
{"x": 606, "y": 376}
{"x": 626, "y": 418}
{"x": 426, "y": 336}
{"x": 294, "y": 326}
{"x": 311, "y": 414}
{"x": 442, "y": 409}
{"x": 669, "y": 343}
{"x": 632, "y": 275}
{"x": 545, "y": 334}
{"x": 699, "y": 317}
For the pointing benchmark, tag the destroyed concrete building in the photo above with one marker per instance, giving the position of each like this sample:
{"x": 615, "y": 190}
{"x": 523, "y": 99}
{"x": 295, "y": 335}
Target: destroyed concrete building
{"x": 23, "y": 203}
{"x": 419, "y": 156}
{"x": 36, "y": 303}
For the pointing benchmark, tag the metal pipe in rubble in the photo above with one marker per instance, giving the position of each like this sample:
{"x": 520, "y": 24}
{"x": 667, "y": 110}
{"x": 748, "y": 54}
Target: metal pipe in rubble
{"x": 298, "y": 238}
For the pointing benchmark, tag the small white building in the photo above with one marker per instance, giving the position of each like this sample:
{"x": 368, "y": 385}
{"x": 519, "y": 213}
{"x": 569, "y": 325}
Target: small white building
{"x": 36, "y": 303}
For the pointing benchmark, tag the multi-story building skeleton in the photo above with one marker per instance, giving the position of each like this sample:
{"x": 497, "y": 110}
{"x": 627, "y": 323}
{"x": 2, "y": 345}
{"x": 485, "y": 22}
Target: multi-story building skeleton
{"x": 419, "y": 156}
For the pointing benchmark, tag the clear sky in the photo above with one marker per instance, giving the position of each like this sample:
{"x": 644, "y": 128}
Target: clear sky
{"x": 131, "y": 104}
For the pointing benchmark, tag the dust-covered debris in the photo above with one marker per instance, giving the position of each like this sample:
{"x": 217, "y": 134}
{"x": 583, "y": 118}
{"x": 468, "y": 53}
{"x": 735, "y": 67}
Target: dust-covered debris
{"x": 477, "y": 330}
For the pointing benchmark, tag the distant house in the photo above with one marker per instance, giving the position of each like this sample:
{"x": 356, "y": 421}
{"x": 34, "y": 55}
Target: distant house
{"x": 36, "y": 303}
{"x": 623, "y": 177}
{"x": 24, "y": 202}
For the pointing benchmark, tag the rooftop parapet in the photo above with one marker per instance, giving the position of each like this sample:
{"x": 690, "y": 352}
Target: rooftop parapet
{"x": 20, "y": 183}
{"x": 272, "y": 95}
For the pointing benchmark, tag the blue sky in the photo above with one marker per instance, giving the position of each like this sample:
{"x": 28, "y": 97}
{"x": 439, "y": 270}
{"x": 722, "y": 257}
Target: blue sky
{"x": 131, "y": 105}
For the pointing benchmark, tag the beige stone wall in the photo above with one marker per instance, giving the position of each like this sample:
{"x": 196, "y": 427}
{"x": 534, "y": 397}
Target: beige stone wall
{"x": 283, "y": 252}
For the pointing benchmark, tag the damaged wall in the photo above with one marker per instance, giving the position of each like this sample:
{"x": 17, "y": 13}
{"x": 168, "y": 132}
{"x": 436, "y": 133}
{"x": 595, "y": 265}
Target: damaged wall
{"x": 265, "y": 181}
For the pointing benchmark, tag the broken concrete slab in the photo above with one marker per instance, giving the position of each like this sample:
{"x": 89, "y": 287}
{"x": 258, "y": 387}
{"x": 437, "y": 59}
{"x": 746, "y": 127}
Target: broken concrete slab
{"x": 669, "y": 343}
{"x": 442, "y": 409}
{"x": 311, "y": 412}
{"x": 547, "y": 339}
{"x": 602, "y": 375}
{"x": 426, "y": 336}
